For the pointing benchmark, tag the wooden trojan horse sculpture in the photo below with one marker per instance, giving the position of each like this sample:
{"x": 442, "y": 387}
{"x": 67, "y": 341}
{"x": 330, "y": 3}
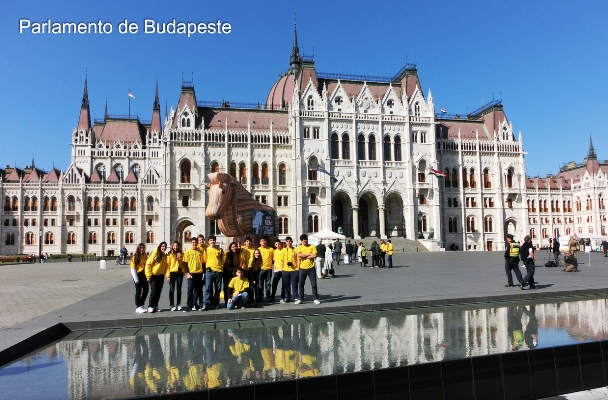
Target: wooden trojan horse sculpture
{"x": 237, "y": 213}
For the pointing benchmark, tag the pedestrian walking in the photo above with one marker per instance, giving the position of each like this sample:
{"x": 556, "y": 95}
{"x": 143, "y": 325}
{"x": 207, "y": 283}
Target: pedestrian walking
{"x": 349, "y": 251}
{"x": 320, "y": 260}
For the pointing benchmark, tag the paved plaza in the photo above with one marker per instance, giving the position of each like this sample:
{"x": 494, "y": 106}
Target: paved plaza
{"x": 82, "y": 296}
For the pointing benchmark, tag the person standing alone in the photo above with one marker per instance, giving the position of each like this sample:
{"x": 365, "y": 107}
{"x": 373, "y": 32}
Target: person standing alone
{"x": 527, "y": 256}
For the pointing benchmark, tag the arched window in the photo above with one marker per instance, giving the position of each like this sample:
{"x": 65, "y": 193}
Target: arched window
{"x": 101, "y": 170}
{"x": 255, "y": 180}
{"x": 129, "y": 238}
{"x": 283, "y": 226}
{"x": 568, "y": 231}
{"x": 89, "y": 204}
{"x": 448, "y": 180}
{"x": 119, "y": 171}
{"x": 150, "y": 204}
{"x": 532, "y": 233}
{"x": 46, "y": 204}
{"x": 185, "y": 171}
{"x": 361, "y": 147}
{"x": 133, "y": 204}
{"x": 49, "y": 238}
{"x": 26, "y": 203}
{"x": 30, "y": 238}
{"x": 183, "y": 122}
{"x": 454, "y": 178}
{"x": 34, "y": 203}
{"x": 510, "y": 177}
{"x": 243, "y": 173}
{"x": 417, "y": 109}
{"x": 233, "y": 170}
{"x": 282, "y": 174}
{"x": 92, "y": 238}
{"x": 335, "y": 147}
{"x": 371, "y": 146}
{"x": 53, "y": 203}
{"x": 71, "y": 238}
{"x": 397, "y": 149}
{"x": 422, "y": 171}
{"x": 487, "y": 184}
{"x": 577, "y": 204}
{"x": 313, "y": 223}
{"x": 215, "y": 167}
{"x": 345, "y": 147}
{"x": 470, "y": 224}
{"x": 111, "y": 238}
{"x": 15, "y": 205}
{"x": 545, "y": 209}
{"x": 488, "y": 226}
{"x": 149, "y": 237}
{"x": 7, "y": 203}
{"x": 472, "y": 181}
{"x": 265, "y": 180}
{"x": 569, "y": 206}
{"x": 557, "y": 207}
{"x": 114, "y": 203}
{"x": 465, "y": 178}
{"x": 600, "y": 202}
{"x": 529, "y": 207}
{"x": 125, "y": 204}
{"x": 422, "y": 224}
{"x": 313, "y": 165}
{"x": 97, "y": 204}
{"x": 533, "y": 205}
{"x": 386, "y": 149}
{"x": 71, "y": 203}
{"x": 310, "y": 103}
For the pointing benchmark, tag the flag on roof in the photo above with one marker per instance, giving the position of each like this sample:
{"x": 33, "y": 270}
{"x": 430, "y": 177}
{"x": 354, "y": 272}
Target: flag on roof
{"x": 443, "y": 110}
{"x": 438, "y": 174}
{"x": 333, "y": 178}
{"x": 131, "y": 95}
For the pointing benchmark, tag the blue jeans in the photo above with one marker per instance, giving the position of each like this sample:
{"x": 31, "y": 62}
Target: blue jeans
{"x": 389, "y": 260}
{"x": 264, "y": 281}
{"x": 213, "y": 282}
{"x": 175, "y": 286}
{"x": 195, "y": 290}
{"x": 529, "y": 278}
{"x": 312, "y": 275}
{"x": 290, "y": 283}
{"x": 238, "y": 299}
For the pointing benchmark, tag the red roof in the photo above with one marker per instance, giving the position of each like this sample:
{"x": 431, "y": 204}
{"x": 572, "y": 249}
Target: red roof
{"x": 52, "y": 176}
{"x": 113, "y": 178}
{"x": 131, "y": 178}
{"x": 124, "y": 130}
{"x": 239, "y": 118}
{"x": 33, "y": 176}
{"x": 12, "y": 176}
{"x": 95, "y": 178}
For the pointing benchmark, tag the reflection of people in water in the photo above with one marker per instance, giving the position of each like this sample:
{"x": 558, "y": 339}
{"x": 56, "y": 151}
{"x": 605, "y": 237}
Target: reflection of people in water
{"x": 213, "y": 351}
{"x": 193, "y": 378}
{"x": 140, "y": 360}
{"x": 514, "y": 327}
{"x": 174, "y": 382}
{"x": 156, "y": 369}
{"x": 531, "y": 332}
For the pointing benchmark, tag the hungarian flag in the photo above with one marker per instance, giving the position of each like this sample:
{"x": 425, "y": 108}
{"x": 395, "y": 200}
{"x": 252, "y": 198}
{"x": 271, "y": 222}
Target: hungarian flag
{"x": 438, "y": 174}
{"x": 443, "y": 110}
{"x": 333, "y": 178}
{"x": 131, "y": 95}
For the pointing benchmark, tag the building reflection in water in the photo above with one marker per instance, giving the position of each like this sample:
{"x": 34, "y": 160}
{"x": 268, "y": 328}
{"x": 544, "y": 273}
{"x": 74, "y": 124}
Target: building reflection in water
{"x": 199, "y": 359}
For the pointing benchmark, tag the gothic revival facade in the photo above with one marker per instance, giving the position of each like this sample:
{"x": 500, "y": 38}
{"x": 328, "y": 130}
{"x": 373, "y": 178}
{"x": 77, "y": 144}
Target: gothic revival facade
{"x": 325, "y": 150}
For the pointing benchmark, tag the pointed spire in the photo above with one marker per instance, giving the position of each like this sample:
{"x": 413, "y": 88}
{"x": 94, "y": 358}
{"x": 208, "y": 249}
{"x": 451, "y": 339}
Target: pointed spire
{"x": 156, "y": 102}
{"x": 591, "y": 154}
{"x": 105, "y": 112}
{"x": 84, "y": 120}
{"x": 33, "y": 163}
{"x": 85, "y": 96}
{"x": 295, "y": 59}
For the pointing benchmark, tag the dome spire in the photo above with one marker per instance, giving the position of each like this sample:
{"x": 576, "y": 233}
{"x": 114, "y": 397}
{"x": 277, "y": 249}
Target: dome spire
{"x": 156, "y": 102}
{"x": 295, "y": 58}
{"x": 591, "y": 154}
{"x": 85, "y": 95}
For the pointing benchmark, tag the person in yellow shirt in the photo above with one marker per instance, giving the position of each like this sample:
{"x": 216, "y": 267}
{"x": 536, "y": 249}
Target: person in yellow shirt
{"x": 306, "y": 254}
{"x": 290, "y": 271}
{"x": 193, "y": 268}
{"x": 138, "y": 272}
{"x": 277, "y": 276}
{"x": 266, "y": 270}
{"x": 214, "y": 264}
{"x": 156, "y": 269}
{"x": 202, "y": 247}
{"x": 247, "y": 250}
{"x": 383, "y": 248}
{"x": 389, "y": 253}
{"x": 175, "y": 274}
{"x": 234, "y": 259}
{"x": 237, "y": 291}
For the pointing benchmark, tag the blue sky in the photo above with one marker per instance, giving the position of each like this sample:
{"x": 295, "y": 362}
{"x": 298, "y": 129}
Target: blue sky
{"x": 547, "y": 61}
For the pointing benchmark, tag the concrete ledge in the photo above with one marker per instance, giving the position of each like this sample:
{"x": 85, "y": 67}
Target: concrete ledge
{"x": 32, "y": 343}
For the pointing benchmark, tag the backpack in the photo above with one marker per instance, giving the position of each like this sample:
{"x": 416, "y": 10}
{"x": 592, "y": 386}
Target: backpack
{"x": 550, "y": 264}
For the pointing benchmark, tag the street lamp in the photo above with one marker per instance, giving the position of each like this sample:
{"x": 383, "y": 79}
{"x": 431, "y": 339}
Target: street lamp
{"x": 40, "y": 245}
{"x": 420, "y": 235}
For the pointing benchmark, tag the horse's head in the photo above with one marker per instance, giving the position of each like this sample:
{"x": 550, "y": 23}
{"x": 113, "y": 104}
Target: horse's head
{"x": 221, "y": 194}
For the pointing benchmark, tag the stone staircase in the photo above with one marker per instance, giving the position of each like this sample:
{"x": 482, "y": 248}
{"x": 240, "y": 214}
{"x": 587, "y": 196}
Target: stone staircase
{"x": 402, "y": 245}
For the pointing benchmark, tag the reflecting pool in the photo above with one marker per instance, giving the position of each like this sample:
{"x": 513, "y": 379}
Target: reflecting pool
{"x": 177, "y": 358}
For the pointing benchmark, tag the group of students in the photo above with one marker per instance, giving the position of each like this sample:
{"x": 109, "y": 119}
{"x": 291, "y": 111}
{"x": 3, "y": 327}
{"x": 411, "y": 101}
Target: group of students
{"x": 382, "y": 255}
{"x": 245, "y": 274}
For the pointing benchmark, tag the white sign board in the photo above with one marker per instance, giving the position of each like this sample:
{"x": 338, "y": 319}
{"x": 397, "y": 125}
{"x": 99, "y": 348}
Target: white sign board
{"x": 587, "y": 249}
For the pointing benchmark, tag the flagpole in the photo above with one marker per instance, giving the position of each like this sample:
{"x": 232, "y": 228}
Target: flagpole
{"x": 129, "y": 103}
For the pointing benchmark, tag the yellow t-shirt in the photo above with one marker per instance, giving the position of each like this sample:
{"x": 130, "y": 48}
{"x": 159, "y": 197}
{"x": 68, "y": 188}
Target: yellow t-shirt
{"x": 289, "y": 255}
{"x": 249, "y": 259}
{"x": 139, "y": 267}
{"x": 194, "y": 378}
{"x": 267, "y": 256}
{"x": 383, "y": 247}
{"x": 156, "y": 268}
{"x": 389, "y": 249}
{"x": 174, "y": 265}
{"x": 194, "y": 259}
{"x": 214, "y": 258}
{"x": 278, "y": 259}
{"x": 238, "y": 284}
{"x": 308, "y": 249}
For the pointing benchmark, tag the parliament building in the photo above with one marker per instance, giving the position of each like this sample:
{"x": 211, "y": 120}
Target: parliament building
{"x": 369, "y": 155}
